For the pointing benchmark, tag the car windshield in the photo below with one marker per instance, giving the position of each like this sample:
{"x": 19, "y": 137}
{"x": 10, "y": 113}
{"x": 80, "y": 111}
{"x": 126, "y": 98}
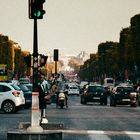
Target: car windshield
{"x": 110, "y": 81}
{"x": 30, "y": 87}
{"x": 73, "y": 88}
{"x": 23, "y": 88}
{"x": 125, "y": 89}
{"x": 95, "y": 89}
{"x": 15, "y": 87}
{"x": 128, "y": 89}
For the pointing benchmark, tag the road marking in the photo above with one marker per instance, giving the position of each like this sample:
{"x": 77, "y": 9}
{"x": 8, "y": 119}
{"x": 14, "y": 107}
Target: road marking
{"x": 98, "y": 132}
{"x": 131, "y": 133}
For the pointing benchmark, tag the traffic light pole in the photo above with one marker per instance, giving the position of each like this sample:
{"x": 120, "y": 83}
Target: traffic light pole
{"x": 55, "y": 68}
{"x": 35, "y": 57}
{"x": 35, "y": 112}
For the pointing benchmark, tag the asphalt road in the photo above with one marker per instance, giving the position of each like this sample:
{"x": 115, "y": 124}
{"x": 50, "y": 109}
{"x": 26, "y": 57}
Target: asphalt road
{"x": 84, "y": 122}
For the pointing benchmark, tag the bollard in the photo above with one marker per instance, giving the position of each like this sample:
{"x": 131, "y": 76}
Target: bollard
{"x": 35, "y": 114}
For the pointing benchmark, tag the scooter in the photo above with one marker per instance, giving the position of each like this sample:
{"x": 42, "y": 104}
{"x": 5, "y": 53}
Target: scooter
{"x": 61, "y": 99}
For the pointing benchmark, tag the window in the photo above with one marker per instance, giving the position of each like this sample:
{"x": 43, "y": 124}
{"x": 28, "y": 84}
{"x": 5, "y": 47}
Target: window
{"x": 4, "y": 88}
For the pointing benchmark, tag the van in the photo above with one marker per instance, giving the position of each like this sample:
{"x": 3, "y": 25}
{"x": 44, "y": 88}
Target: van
{"x": 109, "y": 82}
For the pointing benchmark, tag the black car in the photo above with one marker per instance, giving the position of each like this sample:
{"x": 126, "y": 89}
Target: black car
{"x": 94, "y": 93}
{"x": 123, "y": 95}
{"x": 27, "y": 95}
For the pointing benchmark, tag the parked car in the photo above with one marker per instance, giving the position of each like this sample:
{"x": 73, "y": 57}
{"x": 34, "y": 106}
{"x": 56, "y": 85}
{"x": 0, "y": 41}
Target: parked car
{"x": 123, "y": 95}
{"x": 94, "y": 93}
{"x": 11, "y": 97}
{"x": 27, "y": 95}
{"x": 73, "y": 90}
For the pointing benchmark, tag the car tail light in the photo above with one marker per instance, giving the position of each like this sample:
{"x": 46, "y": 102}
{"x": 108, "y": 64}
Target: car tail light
{"x": 86, "y": 93}
{"x": 133, "y": 94}
{"x": 116, "y": 92}
{"x": 16, "y": 93}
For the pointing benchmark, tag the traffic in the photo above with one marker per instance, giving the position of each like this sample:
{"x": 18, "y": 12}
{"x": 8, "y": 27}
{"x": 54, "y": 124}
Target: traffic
{"x": 17, "y": 94}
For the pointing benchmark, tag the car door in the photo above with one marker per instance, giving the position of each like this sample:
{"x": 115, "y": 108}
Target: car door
{"x": 4, "y": 93}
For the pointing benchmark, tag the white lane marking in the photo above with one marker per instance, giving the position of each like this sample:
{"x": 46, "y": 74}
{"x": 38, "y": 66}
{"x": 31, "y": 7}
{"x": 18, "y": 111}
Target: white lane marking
{"x": 98, "y": 132}
{"x": 132, "y": 133}
{"x": 95, "y": 132}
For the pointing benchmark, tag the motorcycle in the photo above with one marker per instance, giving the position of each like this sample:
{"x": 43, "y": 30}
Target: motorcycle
{"x": 61, "y": 99}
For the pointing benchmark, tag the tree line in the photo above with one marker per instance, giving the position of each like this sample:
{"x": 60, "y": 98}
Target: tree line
{"x": 120, "y": 60}
{"x": 12, "y": 55}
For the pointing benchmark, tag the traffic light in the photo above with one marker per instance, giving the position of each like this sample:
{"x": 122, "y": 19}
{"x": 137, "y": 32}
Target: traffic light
{"x": 36, "y": 9}
{"x": 55, "y": 56}
{"x": 43, "y": 60}
{"x": 28, "y": 60}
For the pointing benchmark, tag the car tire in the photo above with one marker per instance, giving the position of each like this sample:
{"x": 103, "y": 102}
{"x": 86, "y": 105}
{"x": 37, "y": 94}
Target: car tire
{"x": 83, "y": 101}
{"x": 8, "y": 107}
{"x": 133, "y": 104}
{"x": 105, "y": 102}
{"x": 112, "y": 103}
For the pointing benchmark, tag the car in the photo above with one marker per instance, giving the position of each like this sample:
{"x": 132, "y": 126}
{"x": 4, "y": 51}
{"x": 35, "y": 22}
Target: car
{"x": 123, "y": 95}
{"x": 73, "y": 90}
{"x": 94, "y": 93}
{"x": 27, "y": 95}
{"x": 29, "y": 86}
{"x": 11, "y": 97}
{"x": 25, "y": 80}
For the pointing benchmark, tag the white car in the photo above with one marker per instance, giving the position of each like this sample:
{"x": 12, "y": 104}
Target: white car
{"x": 11, "y": 97}
{"x": 73, "y": 90}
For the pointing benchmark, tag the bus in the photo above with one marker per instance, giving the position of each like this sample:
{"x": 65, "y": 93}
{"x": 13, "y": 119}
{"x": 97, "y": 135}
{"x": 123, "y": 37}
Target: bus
{"x": 3, "y": 73}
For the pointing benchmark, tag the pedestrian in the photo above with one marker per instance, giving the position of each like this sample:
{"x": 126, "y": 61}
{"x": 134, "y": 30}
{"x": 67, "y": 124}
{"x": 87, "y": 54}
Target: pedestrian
{"x": 42, "y": 94}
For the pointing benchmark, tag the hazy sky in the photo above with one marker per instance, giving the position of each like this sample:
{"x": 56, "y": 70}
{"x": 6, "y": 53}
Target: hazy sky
{"x": 68, "y": 25}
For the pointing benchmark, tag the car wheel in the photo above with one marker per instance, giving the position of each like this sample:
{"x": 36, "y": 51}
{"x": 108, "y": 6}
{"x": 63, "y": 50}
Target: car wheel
{"x": 112, "y": 102}
{"x": 83, "y": 101}
{"x": 139, "y": 103}
{"x": 133, "y": 104}
{"x": 8, "y": 107}
{"x": 105, "y": 102}
{"x": 101, "y": 103}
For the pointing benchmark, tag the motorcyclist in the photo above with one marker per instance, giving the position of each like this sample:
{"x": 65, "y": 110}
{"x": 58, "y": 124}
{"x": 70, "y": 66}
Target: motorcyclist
{"x": 56, "y": 87}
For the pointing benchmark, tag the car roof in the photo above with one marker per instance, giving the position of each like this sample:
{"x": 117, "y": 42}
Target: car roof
{"x": 95, "y": 85}
{"x": 5, "y": 83}
{"x": 123, "y": 86}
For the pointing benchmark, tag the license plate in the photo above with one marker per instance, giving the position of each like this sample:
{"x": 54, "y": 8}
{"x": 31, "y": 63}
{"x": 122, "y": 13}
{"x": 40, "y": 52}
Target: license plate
{"x": 96, "y": 97}
{"x": 28, "y": 100}
{"x": 125, "y": 99}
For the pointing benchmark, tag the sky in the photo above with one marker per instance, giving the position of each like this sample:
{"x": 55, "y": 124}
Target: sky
{"x": 71, "y": 26}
